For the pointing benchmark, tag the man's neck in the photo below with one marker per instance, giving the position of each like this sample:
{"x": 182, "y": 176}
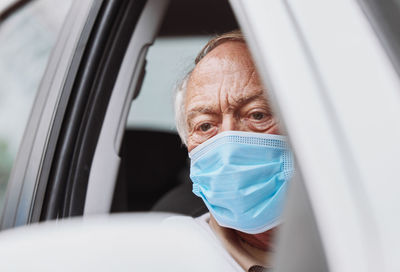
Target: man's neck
{"x": 264, "y": 241}
{"x": 247, "y": 249}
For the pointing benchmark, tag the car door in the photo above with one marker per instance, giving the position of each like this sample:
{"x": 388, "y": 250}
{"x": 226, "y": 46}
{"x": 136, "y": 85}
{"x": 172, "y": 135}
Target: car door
{"x": 50, "y": 176}
{"x": 332, "y": 71}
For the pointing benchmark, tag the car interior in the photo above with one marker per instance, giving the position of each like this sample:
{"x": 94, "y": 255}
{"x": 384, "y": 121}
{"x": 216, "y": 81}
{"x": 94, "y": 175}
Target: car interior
{"x": 160, "y": 179}
{"x": 154, "y": 169}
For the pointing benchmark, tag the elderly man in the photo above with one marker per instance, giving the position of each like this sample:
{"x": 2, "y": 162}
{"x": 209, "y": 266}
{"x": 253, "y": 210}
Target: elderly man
{"x": 240, "y": 165}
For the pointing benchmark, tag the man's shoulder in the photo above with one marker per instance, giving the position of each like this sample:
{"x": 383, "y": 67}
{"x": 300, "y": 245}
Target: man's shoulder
{"x": 200, "y": 223}
{"x": 202, "y": 228}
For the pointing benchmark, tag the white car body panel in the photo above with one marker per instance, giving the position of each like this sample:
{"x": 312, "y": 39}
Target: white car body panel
{"x": 135, "y": 242}
{"x": 339, "y": 96}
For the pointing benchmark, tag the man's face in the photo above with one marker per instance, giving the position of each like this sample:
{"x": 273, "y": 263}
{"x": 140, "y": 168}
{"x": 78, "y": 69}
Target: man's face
{"x": 224, "y": 93}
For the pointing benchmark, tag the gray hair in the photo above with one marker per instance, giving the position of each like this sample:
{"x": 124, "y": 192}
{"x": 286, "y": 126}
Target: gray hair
{"x": 180, "y": 92}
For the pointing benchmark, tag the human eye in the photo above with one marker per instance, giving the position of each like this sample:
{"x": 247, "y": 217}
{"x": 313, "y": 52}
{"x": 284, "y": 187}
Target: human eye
{"x": 258, "y": 115}
{"x": 259, "y": 119}
{"x": 205, "y": 127}
{"x": 204, "y": 130}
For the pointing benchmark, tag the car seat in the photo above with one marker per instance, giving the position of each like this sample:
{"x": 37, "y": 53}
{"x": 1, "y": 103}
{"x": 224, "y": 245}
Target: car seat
{"x": 154, "y": 175}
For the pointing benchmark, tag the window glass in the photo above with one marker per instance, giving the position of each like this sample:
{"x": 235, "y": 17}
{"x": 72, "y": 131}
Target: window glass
{"x": 26, "y": 40}
{"x": 167, "y": 61}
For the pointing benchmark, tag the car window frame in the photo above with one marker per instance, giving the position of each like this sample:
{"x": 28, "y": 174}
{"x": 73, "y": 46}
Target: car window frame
{"x": 106, "y": 160}
{"x": 69, "y": 175}
{"x": 24, "y": 187}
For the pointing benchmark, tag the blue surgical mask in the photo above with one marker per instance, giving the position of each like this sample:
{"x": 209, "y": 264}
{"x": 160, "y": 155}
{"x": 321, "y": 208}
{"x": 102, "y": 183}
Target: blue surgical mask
{"x": 242, "y": 178}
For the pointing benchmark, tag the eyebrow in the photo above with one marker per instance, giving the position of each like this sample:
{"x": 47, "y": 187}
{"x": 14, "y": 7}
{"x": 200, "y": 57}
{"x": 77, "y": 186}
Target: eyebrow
{"x": 212, "y": 111}
{"x": 245, "y": 100}
{"x": 201, "y": 110}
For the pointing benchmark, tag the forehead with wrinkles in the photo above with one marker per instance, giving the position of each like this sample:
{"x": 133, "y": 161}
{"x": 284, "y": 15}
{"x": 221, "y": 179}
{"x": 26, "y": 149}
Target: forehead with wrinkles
{"x": 224, "y": 77}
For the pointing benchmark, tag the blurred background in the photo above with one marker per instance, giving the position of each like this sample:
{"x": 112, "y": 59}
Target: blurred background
{"x": 28, "y": 31}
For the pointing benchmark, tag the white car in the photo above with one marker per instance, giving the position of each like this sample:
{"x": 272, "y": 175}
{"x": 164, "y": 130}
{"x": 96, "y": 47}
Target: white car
{"x": 332, "y": 69}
